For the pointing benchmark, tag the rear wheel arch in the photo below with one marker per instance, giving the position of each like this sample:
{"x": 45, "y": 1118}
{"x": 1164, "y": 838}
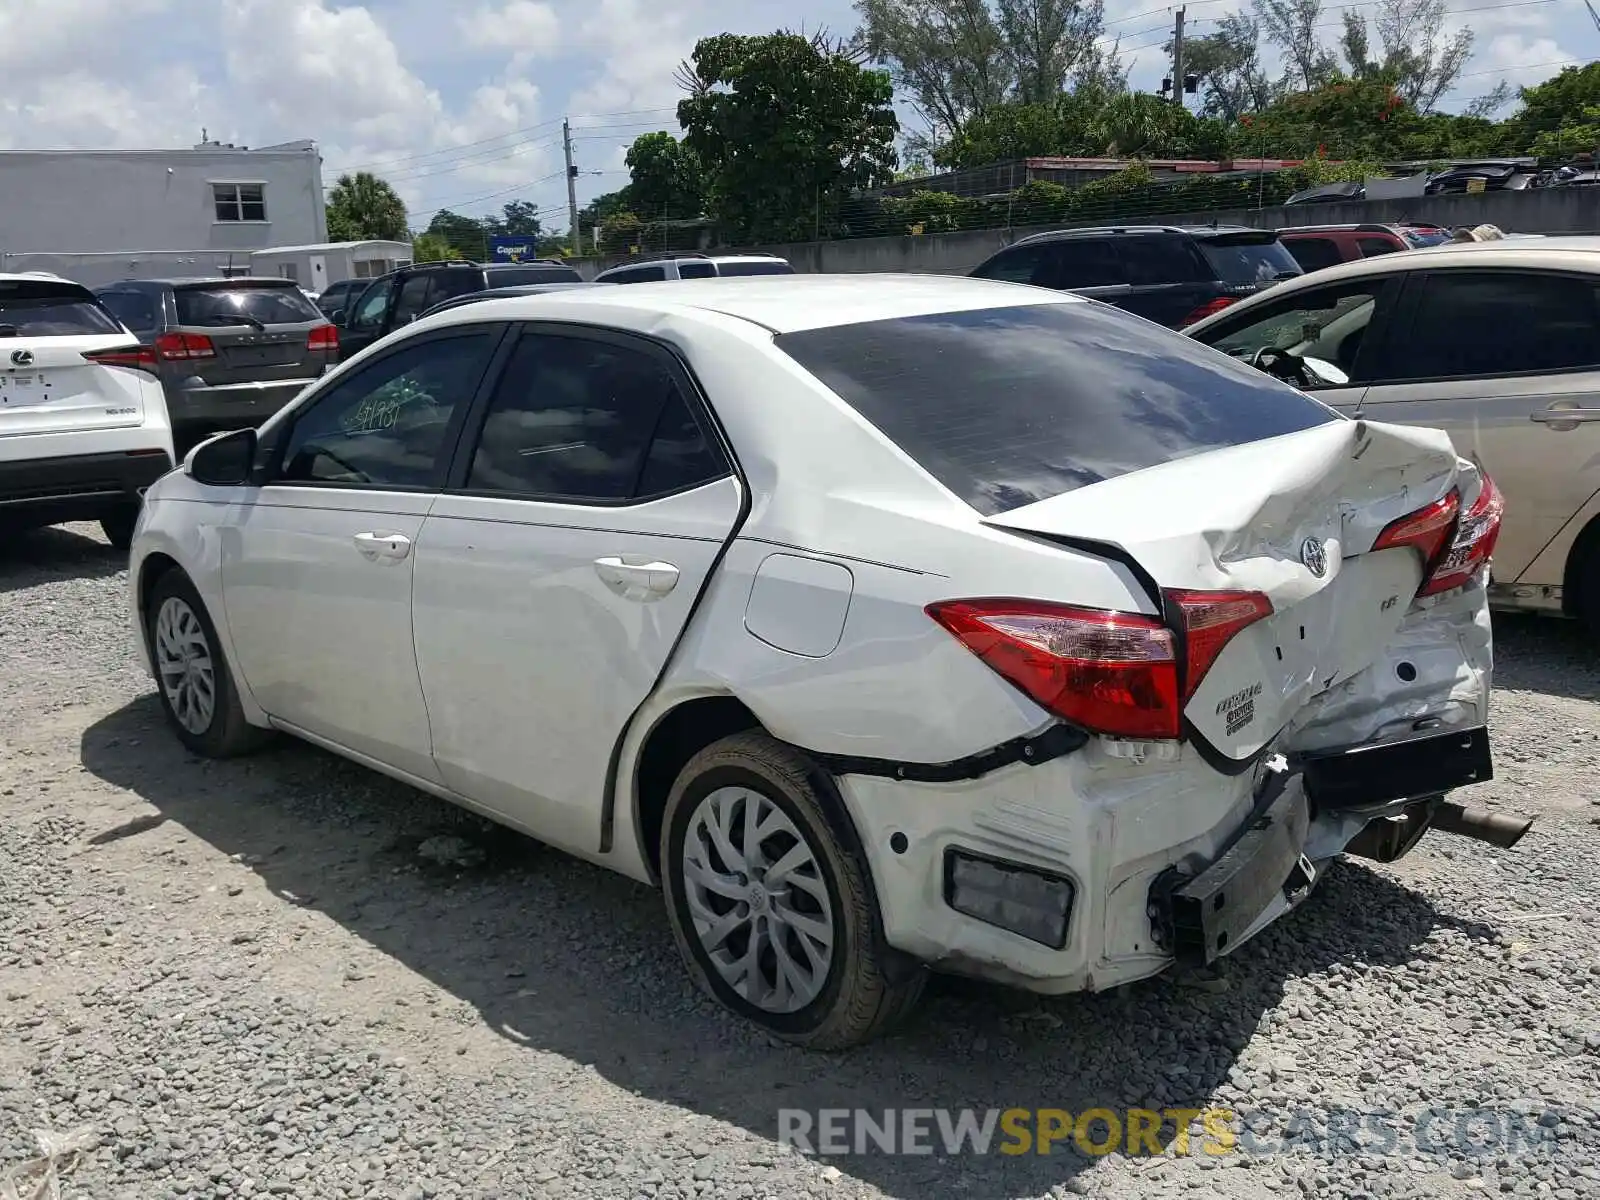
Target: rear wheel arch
{"x": 1580, "y": 584}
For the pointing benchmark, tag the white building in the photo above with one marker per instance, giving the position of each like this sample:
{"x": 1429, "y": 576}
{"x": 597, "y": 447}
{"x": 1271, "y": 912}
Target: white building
{"x": 102, "y": 215}
{"x": 315, "y": 267}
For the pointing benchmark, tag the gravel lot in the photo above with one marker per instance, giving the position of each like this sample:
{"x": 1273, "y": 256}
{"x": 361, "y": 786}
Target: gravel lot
{"x": 247, "y": 981}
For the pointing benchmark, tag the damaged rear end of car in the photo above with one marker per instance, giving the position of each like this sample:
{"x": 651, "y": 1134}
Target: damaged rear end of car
{"x": 1253, "y": 633}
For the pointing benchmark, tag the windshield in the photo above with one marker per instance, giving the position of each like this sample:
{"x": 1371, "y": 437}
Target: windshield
{"x": 244, "y": 304}
{"x": 43, "y": 308}
{"x": 1249, "y": 260}
{"x": 1009, "y": 406}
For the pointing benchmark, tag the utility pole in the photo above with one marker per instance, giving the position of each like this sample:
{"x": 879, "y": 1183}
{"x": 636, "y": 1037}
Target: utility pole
{"x": 572, "y": 187}
{"x": 1177, "y": 60}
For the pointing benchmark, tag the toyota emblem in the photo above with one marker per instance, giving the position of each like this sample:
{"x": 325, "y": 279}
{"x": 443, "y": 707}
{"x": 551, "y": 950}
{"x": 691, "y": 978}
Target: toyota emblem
{"x": 22, "y": 358}
{"x": 1314, "y": 557}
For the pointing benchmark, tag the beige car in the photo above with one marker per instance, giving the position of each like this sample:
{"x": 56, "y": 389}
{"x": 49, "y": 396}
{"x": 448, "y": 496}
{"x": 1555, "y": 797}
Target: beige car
{"x": 1496, "y": 342}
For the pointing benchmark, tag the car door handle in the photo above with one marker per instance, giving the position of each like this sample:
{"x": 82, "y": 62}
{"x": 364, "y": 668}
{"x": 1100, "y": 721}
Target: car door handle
{"x": 637, "y": 581}
{"x": 383, "y": 547}
{"x": 1566, "y": 417}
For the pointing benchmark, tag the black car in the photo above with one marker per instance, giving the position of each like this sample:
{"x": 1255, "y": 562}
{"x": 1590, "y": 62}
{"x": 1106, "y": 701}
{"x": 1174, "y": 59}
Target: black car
{"x": 402, "y": 296}
{"x": 229, "y": 352}
{"x": 1170, "y": 274}
{"x": 500, "y": 293}
{"x": 336, "y": 297}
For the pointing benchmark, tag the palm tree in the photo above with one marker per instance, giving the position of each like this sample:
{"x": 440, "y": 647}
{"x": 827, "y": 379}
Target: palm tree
{"x": 364, "y": 206}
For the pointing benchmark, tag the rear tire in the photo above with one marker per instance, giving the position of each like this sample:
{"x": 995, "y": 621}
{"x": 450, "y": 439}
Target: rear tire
{"x": 118, "y": 525}
{"x": 1588, "y": 607}
{"x": 192, "y": 675}
{"x": 785, "y": 931}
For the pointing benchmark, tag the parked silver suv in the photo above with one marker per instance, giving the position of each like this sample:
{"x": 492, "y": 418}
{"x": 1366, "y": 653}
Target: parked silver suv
{"x": 229, "y": 352}
{"x": 695, "y": 266}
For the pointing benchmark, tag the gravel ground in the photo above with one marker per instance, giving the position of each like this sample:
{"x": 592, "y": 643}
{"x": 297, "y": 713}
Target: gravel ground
{"x": 245, "y": 979}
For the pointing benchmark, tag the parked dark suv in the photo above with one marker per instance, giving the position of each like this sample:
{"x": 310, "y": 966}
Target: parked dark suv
{"x": 1169, "y": 274}
{"x": 402, "y": 296}
{"x": 229, "y": 352}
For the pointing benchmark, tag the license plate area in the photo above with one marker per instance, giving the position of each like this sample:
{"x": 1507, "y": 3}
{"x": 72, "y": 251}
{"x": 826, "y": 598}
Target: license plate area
{"x": 1374, "y": 775}
{"x": 19, "y": 389}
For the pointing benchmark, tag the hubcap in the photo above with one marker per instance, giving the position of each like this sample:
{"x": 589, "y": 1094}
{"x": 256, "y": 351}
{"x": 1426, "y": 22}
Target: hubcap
{"x": 758, "y": 900}
{"x": 184, "y": 663}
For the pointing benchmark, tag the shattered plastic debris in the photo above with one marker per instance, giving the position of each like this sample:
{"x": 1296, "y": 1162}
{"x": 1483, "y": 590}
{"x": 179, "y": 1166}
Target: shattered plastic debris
{"x": 40, "y": 1178}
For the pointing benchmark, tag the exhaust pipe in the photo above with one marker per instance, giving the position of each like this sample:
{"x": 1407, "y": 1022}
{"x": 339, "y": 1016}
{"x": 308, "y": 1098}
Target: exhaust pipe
{"x": 1485, "y": 825}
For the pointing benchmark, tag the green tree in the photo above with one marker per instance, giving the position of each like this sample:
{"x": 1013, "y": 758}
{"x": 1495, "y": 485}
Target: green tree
{"x": 959, "y": 60}
{"x": 1228, "y": 63}
{"x": 666, "y": 179}
{"x": 1291, "y": 26}
{"x": 1553, "y": 113}
{"x": 362, "y": 206}
{"x": 787, "y": 127}
{"x": 431, "y": 247}
{"x": 598, "y": 210}
{"x": 520, "y": 218}
{"x": 466, "y": 234}
{"x": 1412, "y": 49}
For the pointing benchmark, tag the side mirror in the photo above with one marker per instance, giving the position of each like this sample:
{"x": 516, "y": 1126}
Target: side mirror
{"x": 227, "y": 460}
{"x": 336, "y": 315}
{"x": 1324, "y": 372}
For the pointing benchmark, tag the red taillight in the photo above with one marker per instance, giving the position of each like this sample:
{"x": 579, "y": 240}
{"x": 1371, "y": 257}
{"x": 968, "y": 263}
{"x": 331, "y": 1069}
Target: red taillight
{"x": 1475, "y": 536}
{"x": 1429, "y": 531}
{"x": 175, "y": 346}
{"x": 1209, "y": 621}
{"x": 324, "y": 338}
{"x": 141, "y": 358}
{"x": 1109, "y": 672}
{"x": 1207, "y": 309}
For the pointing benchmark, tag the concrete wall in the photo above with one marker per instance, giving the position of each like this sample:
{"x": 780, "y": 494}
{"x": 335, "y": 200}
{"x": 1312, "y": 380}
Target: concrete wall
{"x": 92, "y": 207}
{"x": 1552, "y": 210}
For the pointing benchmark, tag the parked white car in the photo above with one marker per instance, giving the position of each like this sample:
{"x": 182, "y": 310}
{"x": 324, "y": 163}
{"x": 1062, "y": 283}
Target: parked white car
{"x": 887, "y": 622}
{"x": 83, "y": 422}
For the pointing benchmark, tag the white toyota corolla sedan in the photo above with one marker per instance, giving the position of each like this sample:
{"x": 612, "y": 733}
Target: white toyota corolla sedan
{"x": 888, "y": 622}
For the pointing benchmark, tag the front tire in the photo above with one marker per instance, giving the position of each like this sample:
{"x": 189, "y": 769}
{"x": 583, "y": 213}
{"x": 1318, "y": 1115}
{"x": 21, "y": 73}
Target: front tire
{"x": 192, "y": 676}
{"x": 772, "y": 910}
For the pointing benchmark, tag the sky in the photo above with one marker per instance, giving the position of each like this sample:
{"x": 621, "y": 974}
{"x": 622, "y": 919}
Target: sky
{"x": 459, "y": 103}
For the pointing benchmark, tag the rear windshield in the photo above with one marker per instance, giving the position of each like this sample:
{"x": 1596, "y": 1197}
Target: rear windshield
{"x": 1242, "y": 260}
{"x": 754, "y": 268}
{"x": 515, "y": 276}
{"x": 1009, "y": 406}
{"x": 48, "y": 309}
{"x": 244, "y": 304}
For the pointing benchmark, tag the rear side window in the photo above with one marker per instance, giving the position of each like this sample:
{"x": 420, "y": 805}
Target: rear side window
{"x": 696, "y": 270}
{"x": 44, "y": 308}
{"x": 1086, "y": 262}
{"x": 587, "y": 420}
{"x": 1248, "y": 259}
{"x": 243, "y": 304}
{"x": 136, "y": 310}
{"x": 754, "y": 268}
{"x": 1009, "y": 406}
{"x": 516, "y": 276}
{"x": 649, "y": 274}
{"x": 1371, "y": 246}
{"x": 1464, "y": 325}
{"x": 1314, "y": 253}
{"x": 1157, "y": 258}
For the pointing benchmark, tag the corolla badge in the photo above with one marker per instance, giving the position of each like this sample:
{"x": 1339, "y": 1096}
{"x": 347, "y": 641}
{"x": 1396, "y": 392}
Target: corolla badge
{"x": 1314, "y": 556}
{"x": 22, "y": 358}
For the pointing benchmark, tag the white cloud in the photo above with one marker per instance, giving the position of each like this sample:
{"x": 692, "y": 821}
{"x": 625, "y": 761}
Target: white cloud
{"x": 522, "y": 28}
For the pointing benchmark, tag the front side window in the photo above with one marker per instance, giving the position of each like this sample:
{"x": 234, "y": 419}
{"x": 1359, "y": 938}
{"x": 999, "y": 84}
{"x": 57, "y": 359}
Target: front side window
{"x": 414, "y": 297}
{"x": 1084, "y": 262}
{"x": 373, "y": 304}
{"x": 773, "y": 266}
{"x": 651, "y": 274}
{"x": 1009, "y": 406}
{"x": 585, "y": 420}
{"x": 1021, "y": 264}
{"x": 240, "y": 201}
{"x": 385, "y": 425}
{"x": 1329, "y": 323}
{"x": 1496, "y": 323}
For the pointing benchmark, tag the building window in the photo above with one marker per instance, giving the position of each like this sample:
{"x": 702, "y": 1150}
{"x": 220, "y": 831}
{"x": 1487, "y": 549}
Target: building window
{"x": 290, "y": 271}
{"x": 240, "y": 201}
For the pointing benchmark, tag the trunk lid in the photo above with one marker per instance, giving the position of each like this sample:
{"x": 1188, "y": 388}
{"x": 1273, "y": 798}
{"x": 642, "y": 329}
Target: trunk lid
{"x": 54, "y": 389}
{"x": 1292, "y": 517}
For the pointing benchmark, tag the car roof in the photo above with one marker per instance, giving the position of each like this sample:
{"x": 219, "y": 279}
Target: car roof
{"x": 1348, "y": 227}
{"x": 1580, "y": 252}
{"x": 205, "y": 281}
{"x": 779, "y": 303}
